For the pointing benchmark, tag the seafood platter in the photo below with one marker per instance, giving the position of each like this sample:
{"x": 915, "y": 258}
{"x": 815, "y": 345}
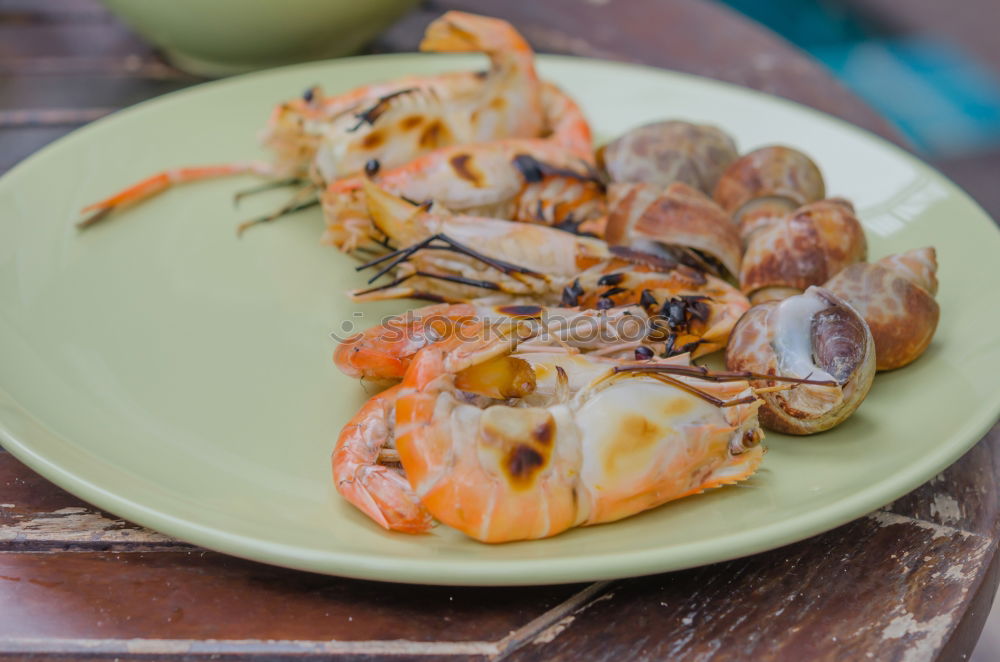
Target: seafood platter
{"x": 590, "y": 327}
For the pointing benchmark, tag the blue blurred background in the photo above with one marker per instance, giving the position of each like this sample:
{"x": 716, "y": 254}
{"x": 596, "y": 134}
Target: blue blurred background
{"x": 932, "y": 67}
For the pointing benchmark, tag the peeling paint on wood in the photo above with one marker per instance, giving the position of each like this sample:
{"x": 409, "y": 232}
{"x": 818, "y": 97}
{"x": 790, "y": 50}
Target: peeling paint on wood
{"x": 77, "y": 525}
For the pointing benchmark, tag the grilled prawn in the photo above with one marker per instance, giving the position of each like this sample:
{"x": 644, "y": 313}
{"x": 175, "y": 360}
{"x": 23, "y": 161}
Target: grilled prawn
{"x": 515, "y": 261}
{"x": 508, "y": 445}
{"x": 327, "y": 138}
{"x": 680, "y": 324}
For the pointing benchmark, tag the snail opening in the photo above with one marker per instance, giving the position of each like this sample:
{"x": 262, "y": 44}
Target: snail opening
{"x": 795, "y": 334}
{"x": 838, "y": 340}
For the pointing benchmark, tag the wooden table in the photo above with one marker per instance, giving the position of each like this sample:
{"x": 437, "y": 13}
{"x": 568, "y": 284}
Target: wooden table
{"x": 911, "y": 581}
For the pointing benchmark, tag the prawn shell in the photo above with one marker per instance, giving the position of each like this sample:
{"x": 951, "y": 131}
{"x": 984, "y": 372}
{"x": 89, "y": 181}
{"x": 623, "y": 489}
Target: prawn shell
{"x": 901, "y": 314}
{"x": 501, "y": 473}
{"x": 777, "y": 172}
{"x": 802, "y": 249}
{"x": 679, "y": 216}
{"x": 842, "y": 339}
{"x": 671, "y": 151}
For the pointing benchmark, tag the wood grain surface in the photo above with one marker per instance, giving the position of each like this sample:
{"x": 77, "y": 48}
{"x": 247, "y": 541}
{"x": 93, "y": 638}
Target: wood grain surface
{"x": 912, "y": 581}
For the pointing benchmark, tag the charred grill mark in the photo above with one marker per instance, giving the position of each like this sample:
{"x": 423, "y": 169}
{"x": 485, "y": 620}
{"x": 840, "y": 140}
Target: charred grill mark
{"x": 697, "y": 306}
{"x": 674, "y": 311}
{"x": 689, "y": 347}
{"x": 460, "y": 164}
{"x": 571, "y": 294}
{"x": 668, "y": 347}
{"x": 647, "y": 300}
{"x": 410, "y": 122}
{"x": 569, "y": 224}
{"x": 544, "y": 432}
{"x": 372, "y": 114}
{"x": 680, "y": 311}
{"x": 522, "y": 462}
{"x": 535, "y": 171}
{"x": 611, "y": 280}
{"x": 612, "y": 292}
{"x": 529, "y": 168}
{"x": 525, "y": 310}
{"x": 432, "y": 134}
{"x": 373, "y": 140}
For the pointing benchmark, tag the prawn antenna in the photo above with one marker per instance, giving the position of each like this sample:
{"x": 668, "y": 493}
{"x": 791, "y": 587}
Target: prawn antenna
{"x": 268, "y": 186}
{"x": 484, "y": 284}
{"x": 442, "y": 242}
{"x": 701, "y": 372}
{"x": 284, "y": 211}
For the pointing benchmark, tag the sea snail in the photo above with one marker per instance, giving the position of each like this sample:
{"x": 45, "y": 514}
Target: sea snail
{"x": 680, "y": 222}
{"x": 670, "y": 151}
{"x": 787, "y": 254}
{"x": 896, "y": 297}
{"x": 813, "y": 336}
{"x": 767, "y": 183}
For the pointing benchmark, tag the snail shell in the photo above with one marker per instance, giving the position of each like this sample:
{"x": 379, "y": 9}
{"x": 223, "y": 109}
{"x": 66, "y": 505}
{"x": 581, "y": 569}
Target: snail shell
{"x": 896, "y": 297}
{"x": 670, "y": 151}
{"x": 766, "y": 183}
{"x": 785, "y": 255}
{"x": 680, "y": 218}
{"x": 814, "y": 336}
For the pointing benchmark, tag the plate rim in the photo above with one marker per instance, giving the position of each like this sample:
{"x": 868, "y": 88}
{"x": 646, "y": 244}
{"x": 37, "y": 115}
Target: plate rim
{"x": 448, "y": 571}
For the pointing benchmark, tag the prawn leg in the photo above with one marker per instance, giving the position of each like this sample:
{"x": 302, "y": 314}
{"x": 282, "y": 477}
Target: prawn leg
{"x": 379, "y": 491}
{"x": 164, "y": 180}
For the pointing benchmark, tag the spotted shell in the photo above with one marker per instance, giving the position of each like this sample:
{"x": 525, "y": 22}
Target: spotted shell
{"x": 896, "y": 297}
{"x": 671, "y": 151}
{"x": 766, "y": 183}
{"x": 838, "y": 342}
{"x": 788, "y": 254}
{"x": 679, "y": 216}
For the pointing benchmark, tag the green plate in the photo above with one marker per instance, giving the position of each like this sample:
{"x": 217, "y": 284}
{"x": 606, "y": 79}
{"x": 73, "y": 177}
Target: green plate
{"x": 179, "y": 377}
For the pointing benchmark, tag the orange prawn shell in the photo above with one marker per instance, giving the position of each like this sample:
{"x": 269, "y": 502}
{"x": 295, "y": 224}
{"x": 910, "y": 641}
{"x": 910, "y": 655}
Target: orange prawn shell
{"x": 380, "y": 492}
{"x": 425, "y": 441}
{"x": 384, "y": 350}
{"x": 803, "y": 249}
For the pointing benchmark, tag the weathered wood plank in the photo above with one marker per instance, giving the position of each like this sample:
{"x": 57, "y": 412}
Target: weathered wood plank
{"x": 202, "y": 595}
{"x": 36, "y": 515}
{"x": 81, "y": 92}
{"x": 132, "y": 66}
{"x": 18, "y": 144}
{"x": 88, "y": 39}
{"x": 883, "y": 588}
{"x": 964, "y": 496}
{"x": 32, "y": 117}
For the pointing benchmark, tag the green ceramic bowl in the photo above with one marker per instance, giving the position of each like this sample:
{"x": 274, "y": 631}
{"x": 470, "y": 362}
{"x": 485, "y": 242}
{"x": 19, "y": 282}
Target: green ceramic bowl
{"x": 221, "y": 37}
